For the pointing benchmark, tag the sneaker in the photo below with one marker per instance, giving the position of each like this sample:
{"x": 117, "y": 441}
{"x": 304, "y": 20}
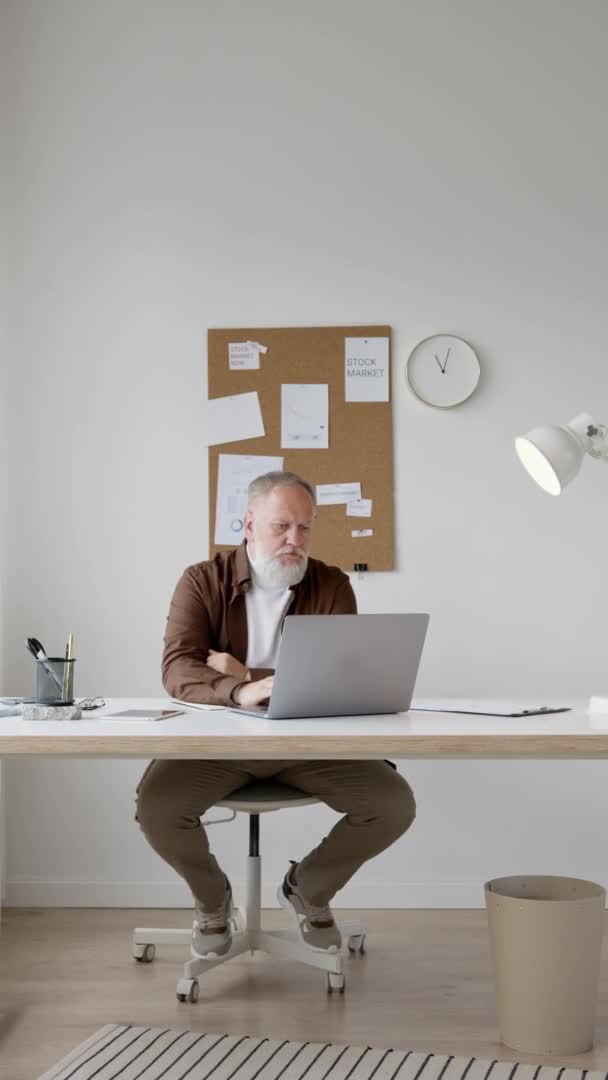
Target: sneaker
{"x": 212, "y": 930}
{"x": 316, "y": 925}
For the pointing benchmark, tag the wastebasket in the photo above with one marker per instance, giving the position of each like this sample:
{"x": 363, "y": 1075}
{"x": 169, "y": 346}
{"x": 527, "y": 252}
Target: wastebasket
{"x": 546, "y": 939}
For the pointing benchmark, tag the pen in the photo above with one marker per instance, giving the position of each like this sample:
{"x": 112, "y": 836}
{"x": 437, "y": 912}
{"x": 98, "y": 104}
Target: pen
{"x": 69, "y": 652}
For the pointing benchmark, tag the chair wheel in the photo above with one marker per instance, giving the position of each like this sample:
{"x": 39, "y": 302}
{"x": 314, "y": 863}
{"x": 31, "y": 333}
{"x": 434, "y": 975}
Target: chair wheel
{"x": 335, "y": 983}
{"x": 144, "y": 954}
{"x": 356, "y": 943}
{"x": 188, "y": 990}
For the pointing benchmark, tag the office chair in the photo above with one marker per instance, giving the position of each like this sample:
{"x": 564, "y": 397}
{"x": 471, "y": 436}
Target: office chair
{"x": 248, "y": 936}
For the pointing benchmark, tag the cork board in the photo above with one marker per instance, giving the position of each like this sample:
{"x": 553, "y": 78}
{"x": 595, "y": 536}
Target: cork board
{"x": 360, "y": 434}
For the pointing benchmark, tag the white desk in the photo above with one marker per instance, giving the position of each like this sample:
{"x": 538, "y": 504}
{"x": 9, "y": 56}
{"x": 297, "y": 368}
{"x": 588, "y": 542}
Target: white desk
{"x": 224, "y": 734}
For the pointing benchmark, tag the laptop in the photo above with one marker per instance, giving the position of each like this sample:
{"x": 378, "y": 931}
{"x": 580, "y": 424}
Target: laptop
{"x": 344, "y": 665}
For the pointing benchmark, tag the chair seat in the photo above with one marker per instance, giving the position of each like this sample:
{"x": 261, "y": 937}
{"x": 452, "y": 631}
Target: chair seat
{"x": 263, "y": 796}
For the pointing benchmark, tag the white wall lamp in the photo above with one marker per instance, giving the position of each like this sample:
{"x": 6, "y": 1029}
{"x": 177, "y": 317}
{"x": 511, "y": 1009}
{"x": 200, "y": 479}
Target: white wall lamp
{"x": 553, "y": 455}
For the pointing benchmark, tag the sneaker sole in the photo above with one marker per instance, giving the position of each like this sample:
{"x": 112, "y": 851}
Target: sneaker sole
{"x": 212, "y": 953}
{"x": 294, "y": 910}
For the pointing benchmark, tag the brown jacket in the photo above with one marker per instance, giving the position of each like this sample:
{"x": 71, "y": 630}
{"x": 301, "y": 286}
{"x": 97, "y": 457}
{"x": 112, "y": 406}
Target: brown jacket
{"x": 208, "y": 611}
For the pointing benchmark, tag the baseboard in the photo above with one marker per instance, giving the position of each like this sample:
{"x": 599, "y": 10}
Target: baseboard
{"x": 144, "y": 894}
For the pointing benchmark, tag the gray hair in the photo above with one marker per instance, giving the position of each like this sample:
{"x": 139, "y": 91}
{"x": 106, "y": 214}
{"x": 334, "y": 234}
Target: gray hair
{"x": 263, "y": 485}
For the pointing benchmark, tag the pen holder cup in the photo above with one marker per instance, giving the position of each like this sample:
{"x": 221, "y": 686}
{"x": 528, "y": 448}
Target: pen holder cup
{"x": 55, "y": 681}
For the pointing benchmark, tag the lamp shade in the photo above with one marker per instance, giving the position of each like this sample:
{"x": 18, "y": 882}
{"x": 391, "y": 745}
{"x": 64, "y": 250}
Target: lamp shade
{"x": 552, "y": 455}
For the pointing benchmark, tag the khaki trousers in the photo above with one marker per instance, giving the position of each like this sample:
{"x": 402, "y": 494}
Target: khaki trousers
{"x": 377, "y": 803}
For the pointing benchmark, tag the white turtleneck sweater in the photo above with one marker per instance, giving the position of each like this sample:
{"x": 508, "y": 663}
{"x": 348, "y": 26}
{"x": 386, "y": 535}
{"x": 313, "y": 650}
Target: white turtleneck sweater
{"x": 265, "y": 611}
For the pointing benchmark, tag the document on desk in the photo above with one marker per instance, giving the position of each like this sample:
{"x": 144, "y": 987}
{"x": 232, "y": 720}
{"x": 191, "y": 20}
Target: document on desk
{"x": 143, "y": 714}
{"x": 198, "y": 705}
{"x": 489, "y": 708}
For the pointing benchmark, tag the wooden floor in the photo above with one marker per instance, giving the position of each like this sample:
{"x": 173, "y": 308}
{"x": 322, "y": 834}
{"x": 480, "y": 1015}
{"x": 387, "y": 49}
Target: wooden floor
{"x": 424, "y": 984}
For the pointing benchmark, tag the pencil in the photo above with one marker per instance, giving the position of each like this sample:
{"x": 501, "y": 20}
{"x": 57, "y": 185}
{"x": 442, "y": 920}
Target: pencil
{"x": 68, "y": 681}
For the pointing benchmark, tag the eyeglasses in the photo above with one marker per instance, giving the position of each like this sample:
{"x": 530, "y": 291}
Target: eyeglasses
{"x": 91, "y": 703}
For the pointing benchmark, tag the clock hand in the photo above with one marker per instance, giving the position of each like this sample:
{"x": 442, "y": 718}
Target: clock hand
{"x": 439, "y": 362}
{"x": 446, "y": 359}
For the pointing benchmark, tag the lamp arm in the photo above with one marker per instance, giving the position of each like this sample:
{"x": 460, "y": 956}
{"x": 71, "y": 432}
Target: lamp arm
{"x": 592, "y": 437}
{"x": 597, "y": 434}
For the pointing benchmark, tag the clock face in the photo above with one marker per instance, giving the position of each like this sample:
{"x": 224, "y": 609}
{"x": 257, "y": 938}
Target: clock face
{"x": 443, "y": 370}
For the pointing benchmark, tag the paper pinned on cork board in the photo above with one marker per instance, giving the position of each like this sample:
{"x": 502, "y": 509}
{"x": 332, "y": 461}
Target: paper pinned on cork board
{"x": 338, "y": 494}
{"x": 359, "y": 508}
{"x": 245, "y": 355}
{"x": 229, "y": 419}
{"x": 304, "y": 416}
{"x": 234, "y": 475}
{"x": 366, "y": 362}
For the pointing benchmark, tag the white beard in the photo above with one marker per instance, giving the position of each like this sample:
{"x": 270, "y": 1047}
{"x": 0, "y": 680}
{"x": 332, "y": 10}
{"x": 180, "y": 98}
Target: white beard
{"x": 270, "y": 573}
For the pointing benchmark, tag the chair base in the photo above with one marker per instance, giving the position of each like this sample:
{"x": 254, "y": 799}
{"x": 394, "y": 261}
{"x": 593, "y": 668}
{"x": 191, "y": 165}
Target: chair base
{"x": 250, "y": 937}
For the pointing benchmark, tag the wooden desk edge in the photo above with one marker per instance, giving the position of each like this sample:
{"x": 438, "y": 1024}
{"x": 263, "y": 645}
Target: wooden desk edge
{"x": 301, "y": 747}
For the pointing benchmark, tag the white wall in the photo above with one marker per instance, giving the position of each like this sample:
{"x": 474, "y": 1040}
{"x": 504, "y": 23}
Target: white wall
{"x": 6, "y": 258}
{"x": 4, "y": 213}
{"x": 432, "y": 165}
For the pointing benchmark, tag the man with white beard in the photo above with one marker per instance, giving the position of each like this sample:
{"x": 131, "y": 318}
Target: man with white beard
{"x": 221, "y": 642}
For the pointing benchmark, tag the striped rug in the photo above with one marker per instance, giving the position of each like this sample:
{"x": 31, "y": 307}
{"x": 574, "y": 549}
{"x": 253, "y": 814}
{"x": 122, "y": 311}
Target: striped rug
{"x": 122, "y": 1052}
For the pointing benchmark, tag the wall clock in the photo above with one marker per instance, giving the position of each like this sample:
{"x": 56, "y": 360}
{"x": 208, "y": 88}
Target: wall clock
{"x": 443, "y": 370}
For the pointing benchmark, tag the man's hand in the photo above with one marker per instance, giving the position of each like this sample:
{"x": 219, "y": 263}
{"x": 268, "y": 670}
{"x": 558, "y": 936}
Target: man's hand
{"x": 226, "y": 664}
{"x": 254, "y": 693}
